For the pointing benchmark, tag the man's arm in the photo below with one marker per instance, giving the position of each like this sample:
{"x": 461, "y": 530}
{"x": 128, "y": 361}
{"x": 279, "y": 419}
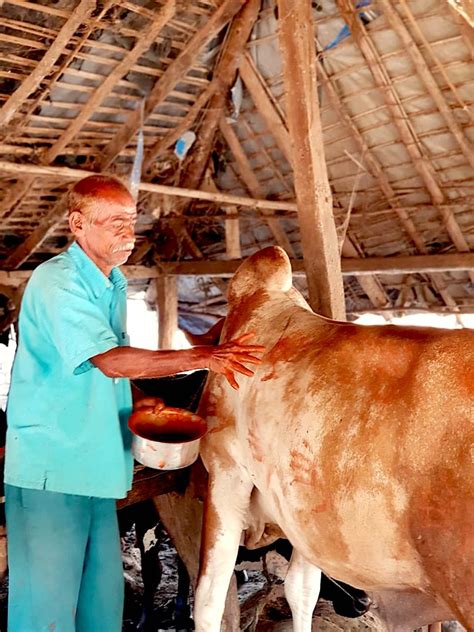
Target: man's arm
{"x": 225, "y": 359}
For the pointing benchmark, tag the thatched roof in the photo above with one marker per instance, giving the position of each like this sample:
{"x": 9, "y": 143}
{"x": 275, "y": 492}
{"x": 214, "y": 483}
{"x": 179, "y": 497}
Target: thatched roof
{"x": 79, "y": 79}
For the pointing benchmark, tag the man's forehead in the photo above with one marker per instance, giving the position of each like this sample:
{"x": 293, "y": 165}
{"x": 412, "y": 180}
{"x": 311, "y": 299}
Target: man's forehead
{"x": 120, "y": 204}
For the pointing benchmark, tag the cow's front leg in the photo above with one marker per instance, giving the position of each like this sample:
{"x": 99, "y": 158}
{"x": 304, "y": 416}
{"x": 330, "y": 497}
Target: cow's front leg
{"x": 224, "y": 519}
{"x": 302, "y": 584}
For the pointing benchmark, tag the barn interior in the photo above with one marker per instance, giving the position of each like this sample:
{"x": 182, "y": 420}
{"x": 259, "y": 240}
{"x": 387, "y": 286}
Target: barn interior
{"x": 340, "y": 131}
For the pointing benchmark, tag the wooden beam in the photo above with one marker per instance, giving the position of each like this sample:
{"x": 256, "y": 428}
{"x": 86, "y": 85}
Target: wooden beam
{"x": 164, "y": 143}
{"x": 196, "y": 194}
{"x": 15, "y": 196}
{"x": 195, "y": 164}
{"x": 370, "y": 159}
{"x": 45, "y": 228}
{"x": 29, "y": 85}
{"x": 265, "y": 107}
{"x": 225, "y": 72}
{"x": 424, "y": 72}
{"x": 19, "y": 190}
{"x": 465, "y": 8}
{"x": 148, "y": 484}
{"x": 276, "y": 123}
{"x": 429, "y": 50}
{"x": 350, "y": 266}
{"x": 456, "y": 262}
{"x": 232, "y": 238}
{"x": 467, "y": 31}
{"x": 231, "y": 226}
{"x": 252, "y": 184}
{"x": 170, "y": 78}
{"x": 14, "y": 278}
{"x": 378, "y": 172}
{"x": 317, "y": 227}
{"x": 370, "y": 284}
{"x": 167, "y": 307}
{"x": 241, "y": 27}
{"x": 143, "y": 43}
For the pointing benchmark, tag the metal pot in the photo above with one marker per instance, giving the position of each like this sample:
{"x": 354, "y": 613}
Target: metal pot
{"x": 166, "y": 438}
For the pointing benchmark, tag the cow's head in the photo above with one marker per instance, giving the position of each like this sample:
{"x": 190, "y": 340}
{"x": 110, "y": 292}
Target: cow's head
{"x": 268, "y": 269}
{"x": 262, "y": 276}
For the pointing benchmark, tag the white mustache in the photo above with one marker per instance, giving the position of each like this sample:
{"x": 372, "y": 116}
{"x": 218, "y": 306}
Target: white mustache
{"x": 123, "y": 247}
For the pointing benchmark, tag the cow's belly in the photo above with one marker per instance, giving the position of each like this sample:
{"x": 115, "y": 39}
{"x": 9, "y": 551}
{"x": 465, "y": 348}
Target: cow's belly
{"x": 341, "y": 534}
{"x": 305, "y": 485}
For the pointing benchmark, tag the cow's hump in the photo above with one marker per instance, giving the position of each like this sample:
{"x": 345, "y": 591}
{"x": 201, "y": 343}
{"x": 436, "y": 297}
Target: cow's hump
{"x": 268, "y": 269}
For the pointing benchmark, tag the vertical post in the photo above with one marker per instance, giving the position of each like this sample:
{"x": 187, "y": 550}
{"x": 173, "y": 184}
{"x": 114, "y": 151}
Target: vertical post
{"x": 232, "y": 235}
{"x": 167, "y": 307}
{"x": 313, "y": 194}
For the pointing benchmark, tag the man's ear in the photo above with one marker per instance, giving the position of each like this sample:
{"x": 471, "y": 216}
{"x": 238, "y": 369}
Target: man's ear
{"x": 76, "y": 222}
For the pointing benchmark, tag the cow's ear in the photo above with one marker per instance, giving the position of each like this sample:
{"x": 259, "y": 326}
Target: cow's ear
{"x": 268, "y": 269}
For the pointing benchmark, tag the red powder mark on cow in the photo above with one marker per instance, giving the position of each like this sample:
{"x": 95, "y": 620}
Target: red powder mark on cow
{"x": 268, "y": 376}
{"x": 305, "y": 473}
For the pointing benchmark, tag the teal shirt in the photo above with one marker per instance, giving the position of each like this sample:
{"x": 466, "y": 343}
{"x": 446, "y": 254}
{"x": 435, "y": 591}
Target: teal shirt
{"x": 67, "y": 422}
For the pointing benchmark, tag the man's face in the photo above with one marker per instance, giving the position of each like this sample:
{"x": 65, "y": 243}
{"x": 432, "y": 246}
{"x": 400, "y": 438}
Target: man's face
{"x": 106, "y": 230}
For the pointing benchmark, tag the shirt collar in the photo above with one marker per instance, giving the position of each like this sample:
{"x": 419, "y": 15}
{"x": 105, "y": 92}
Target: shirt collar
{"x": 94, "y": 277}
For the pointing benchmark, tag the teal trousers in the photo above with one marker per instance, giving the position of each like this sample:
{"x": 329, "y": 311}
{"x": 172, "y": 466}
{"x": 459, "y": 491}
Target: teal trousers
{"x": 65, "y": 562}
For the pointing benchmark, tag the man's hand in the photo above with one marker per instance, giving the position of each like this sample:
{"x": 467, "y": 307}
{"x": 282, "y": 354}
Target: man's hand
{"x": 231, "y": 357}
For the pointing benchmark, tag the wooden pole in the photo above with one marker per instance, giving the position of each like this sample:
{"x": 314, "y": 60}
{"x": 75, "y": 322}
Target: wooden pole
{"x": 231, "y": 226}
{"x": 248, "y": 177}
{"x": 318, "y": 230}
{"x": 167, "y": 306}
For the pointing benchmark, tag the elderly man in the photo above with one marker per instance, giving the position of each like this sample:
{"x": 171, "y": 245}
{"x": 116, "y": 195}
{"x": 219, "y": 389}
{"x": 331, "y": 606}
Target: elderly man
{"x": 68, "y": 445}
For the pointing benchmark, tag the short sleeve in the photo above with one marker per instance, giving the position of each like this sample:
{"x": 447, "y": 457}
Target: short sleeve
{"x": 76, "y": 324}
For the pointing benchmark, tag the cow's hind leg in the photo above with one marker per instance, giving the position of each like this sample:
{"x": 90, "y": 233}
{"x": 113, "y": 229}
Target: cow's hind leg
{"x": 224, "y": 518}
{"x": 302, "y": 584}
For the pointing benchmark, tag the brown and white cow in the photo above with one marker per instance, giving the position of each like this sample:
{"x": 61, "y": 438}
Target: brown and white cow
{"x": 355, "y": 442}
